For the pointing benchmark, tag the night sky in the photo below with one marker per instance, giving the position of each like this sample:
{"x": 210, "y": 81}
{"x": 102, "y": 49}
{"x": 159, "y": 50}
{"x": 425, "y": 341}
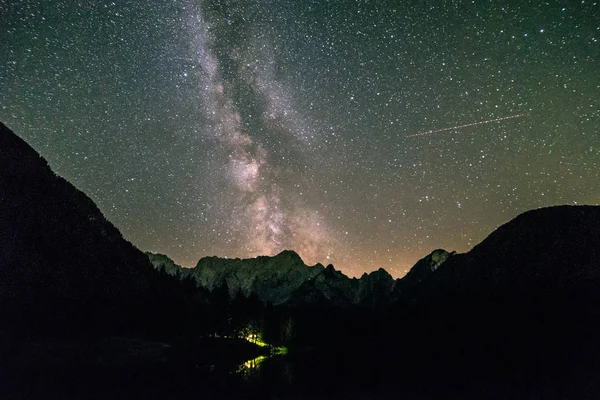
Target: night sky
{"x": 359, "y": 133}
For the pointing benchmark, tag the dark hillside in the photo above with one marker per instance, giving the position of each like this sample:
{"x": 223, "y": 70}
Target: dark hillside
{"x": 557, "y": 248}
{"x": 526, "y": 300}
{"x": 63, "y": 266}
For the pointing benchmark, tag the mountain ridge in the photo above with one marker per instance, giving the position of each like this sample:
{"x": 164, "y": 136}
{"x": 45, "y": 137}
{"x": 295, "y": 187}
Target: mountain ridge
{"x": 57, "y": 244}
{"x": 517, "y": 255}
{"x": 439, "y": 272}
{"x": 526, "y": 296}
{"x": 284, "y": 279}
{"x": 64, "y": 268}
{"x": 61, "y": 238}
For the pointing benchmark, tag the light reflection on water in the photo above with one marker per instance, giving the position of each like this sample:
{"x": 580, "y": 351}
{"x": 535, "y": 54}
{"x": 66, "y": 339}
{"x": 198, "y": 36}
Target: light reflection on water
{"x": 250, "y": 367}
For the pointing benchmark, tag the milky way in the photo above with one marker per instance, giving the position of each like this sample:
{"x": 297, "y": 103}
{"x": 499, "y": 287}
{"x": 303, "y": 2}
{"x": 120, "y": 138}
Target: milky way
{"x": 271, "y": 218}
{"x": 239, "y": 128}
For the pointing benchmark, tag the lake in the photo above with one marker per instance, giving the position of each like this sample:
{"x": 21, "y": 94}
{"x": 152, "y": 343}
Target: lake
{"x": 297, "y": 375}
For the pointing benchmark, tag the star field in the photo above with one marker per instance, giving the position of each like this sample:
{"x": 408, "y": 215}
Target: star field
{"x": 359, "y": 133}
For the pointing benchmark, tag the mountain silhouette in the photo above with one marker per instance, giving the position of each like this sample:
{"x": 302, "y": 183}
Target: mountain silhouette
{"x": 55, "y": 242}
{"x": 524, "y": 301}
{"x": 63, "y": 265}
{"x": 555, "y": 248}
{"x": 285, "y": 280}
{"x": 523, "y": 304}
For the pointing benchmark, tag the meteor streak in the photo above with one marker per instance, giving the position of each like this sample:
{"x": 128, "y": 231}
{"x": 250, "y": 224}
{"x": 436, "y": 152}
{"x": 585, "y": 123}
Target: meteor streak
{"x": 466, "y": 125}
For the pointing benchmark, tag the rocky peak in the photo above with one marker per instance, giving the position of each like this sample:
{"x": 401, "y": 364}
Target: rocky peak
{"x": 425, "y": 267}
{"x": 161, "y": 262}
{"x": 381, "y": 274}
{"x": 289, "y": 256}
{"x": 271, "y": 278}
{"x": 374, "y": 289}
{"x": 437, "y": 257}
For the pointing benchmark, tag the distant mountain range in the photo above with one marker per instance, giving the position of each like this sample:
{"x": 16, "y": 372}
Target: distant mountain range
{"x": 55, "y": 243}
{"x": 557, "y": 247}
{"x": 522, "y": 304}
{"x": 284, "y": 279}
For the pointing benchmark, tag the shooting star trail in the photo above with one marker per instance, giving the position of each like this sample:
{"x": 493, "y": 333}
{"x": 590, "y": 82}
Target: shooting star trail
{"x": 466, "y": 125}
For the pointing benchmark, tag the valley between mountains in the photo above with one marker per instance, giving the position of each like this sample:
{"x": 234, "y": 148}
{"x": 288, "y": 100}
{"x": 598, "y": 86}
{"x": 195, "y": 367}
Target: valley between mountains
{"x": 83, "y": 310}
